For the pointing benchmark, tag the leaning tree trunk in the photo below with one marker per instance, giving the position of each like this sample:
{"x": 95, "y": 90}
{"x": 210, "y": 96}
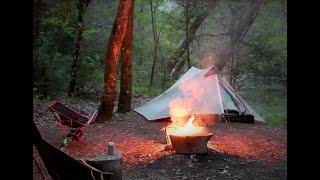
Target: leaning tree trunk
{"x": 73, "y": 81}
{"x": 115, "y": 41}
{"x": 124, "y": 104}
{"x": 239, "y": 31}
{"x": 189, "y": 38}
{"x": 178, "y": 68}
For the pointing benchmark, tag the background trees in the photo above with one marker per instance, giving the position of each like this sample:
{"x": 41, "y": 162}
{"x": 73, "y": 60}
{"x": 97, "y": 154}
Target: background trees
{"x": 257, "y": 66}
{"x": 118, "y": 32}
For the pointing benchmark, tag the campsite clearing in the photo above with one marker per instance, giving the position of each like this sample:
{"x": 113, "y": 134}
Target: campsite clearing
{"x": 236, "y": 151}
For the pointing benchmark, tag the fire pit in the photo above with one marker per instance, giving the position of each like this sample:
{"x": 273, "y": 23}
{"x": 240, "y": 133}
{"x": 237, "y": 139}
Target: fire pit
{"x": 188, "y": 139}
{"x": 194, "y": 144}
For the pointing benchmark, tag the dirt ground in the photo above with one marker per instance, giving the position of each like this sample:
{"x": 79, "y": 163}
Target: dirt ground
{"x": 235, "y": 151}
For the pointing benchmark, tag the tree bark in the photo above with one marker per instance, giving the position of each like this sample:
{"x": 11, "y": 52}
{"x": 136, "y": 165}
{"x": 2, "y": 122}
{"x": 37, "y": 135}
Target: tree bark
{"x": 155, "y": 42}
{"x": 115, "y": 41}
{"x": 238, "y": 32}
{"x": 75, "y": 59}
{"x": 187, "y": 34}
{"x": 178, "y": 68}
{"x": 191, "y": 34}
{"x": 124, "y": 104}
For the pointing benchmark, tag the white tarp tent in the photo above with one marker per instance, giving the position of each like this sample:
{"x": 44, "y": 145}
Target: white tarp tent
{"x": 200, "y": 94}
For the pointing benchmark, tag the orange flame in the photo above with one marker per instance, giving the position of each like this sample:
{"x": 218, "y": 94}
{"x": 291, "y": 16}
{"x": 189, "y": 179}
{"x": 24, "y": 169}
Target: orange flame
{"x": 189, "y": 123}
{"x": 182, "y": 107}
{"x": 188, "y": 129}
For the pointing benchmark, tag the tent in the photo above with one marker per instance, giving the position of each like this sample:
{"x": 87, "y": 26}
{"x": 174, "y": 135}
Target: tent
{"x": 200, "y": 91}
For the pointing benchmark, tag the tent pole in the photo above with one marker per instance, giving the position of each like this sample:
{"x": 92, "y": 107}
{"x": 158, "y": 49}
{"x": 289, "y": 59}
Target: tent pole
{"x": 233, "y": 99}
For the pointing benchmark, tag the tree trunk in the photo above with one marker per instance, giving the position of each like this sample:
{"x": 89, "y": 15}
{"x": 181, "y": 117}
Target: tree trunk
{"x": 124, "y": 104}
{"x": 75, "y": 59}
{"x": 187, "y": 34}
{"x": 191, "y": 34}
{"x": 164, "y": 74}
{"x": 155, "y": 40}
{"x": 143, "y": 37}
{"x": 238, "y": 32}
{"x": 115, "y": 41}
{"x": 231, "y": 71}
{"x": 179, "y": 66}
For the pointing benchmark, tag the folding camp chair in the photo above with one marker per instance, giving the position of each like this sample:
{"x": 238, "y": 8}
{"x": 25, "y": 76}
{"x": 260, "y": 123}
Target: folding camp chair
{"x": 61, "y": 166}
{"x": 71, "y": 118}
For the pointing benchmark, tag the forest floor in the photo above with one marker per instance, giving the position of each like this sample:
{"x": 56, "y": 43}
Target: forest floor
{"x": 235, "y": 151}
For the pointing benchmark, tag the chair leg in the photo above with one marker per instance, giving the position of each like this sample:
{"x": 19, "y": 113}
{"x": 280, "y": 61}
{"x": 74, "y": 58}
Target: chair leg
{"x": 64, "y": 130}
{"x": 75, "y": 138}
{"x": 82, "y": 141}
{"x": 77, "y": 135}
{"x": 75, "y": 142}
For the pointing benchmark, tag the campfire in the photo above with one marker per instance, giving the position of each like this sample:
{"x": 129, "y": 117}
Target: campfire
{"x": 187, "y": 139}
{"x": 187, "y": 133}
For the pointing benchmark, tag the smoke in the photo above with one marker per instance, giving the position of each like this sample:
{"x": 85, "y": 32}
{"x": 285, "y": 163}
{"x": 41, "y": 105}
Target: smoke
{"x": 206, "y": 120}
{"x": 179, "y": 110}
{"x": 207, "y": 62}
{"x": 194, "y": 100}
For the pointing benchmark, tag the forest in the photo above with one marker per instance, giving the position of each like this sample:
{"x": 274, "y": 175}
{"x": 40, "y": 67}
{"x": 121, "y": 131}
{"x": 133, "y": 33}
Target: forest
{"x": 160, "y": 89}
{"x": 169, "y": 36}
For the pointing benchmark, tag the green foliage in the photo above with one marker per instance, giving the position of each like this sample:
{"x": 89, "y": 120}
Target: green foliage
{"x": 53, "y": 56}
{"x": 267, "y": 58}
{"x": 263, "y": 54}
{"x": 269, "y": 101}
{"x": 62, "y": 25}
{"x": 260, "y": 64}
{"x": 65, "y": 98}
{"x": 260, "y": 60}
{"x": 36, "y": 97}
{"x": 58, "y": 74}
{"x": 89, "y": 32}
{"x": 145, "y": 90}
{"x": 62, "y": 17}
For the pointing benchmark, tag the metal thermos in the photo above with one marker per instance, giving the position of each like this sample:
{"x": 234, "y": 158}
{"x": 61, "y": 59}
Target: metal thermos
{"x": 110, "y": 148}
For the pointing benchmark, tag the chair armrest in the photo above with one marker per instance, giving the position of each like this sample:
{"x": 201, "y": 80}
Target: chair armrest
{"x": 92, "y": 117}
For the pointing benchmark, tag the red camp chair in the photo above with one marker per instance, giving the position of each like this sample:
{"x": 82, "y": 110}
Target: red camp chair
{"x": 71, "y": 118}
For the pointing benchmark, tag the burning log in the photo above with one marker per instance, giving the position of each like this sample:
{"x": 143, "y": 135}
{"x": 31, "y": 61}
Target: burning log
{"x": 191, "y": 144}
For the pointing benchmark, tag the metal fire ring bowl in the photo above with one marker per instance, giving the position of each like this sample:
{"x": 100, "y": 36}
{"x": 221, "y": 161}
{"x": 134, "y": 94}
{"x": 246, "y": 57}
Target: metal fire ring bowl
{"x": 193, "y": 144}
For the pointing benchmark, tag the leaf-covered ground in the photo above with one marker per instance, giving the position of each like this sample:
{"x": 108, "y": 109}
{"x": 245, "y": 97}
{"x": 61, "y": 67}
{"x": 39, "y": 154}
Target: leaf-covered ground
{"x": 236, "y": 150}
